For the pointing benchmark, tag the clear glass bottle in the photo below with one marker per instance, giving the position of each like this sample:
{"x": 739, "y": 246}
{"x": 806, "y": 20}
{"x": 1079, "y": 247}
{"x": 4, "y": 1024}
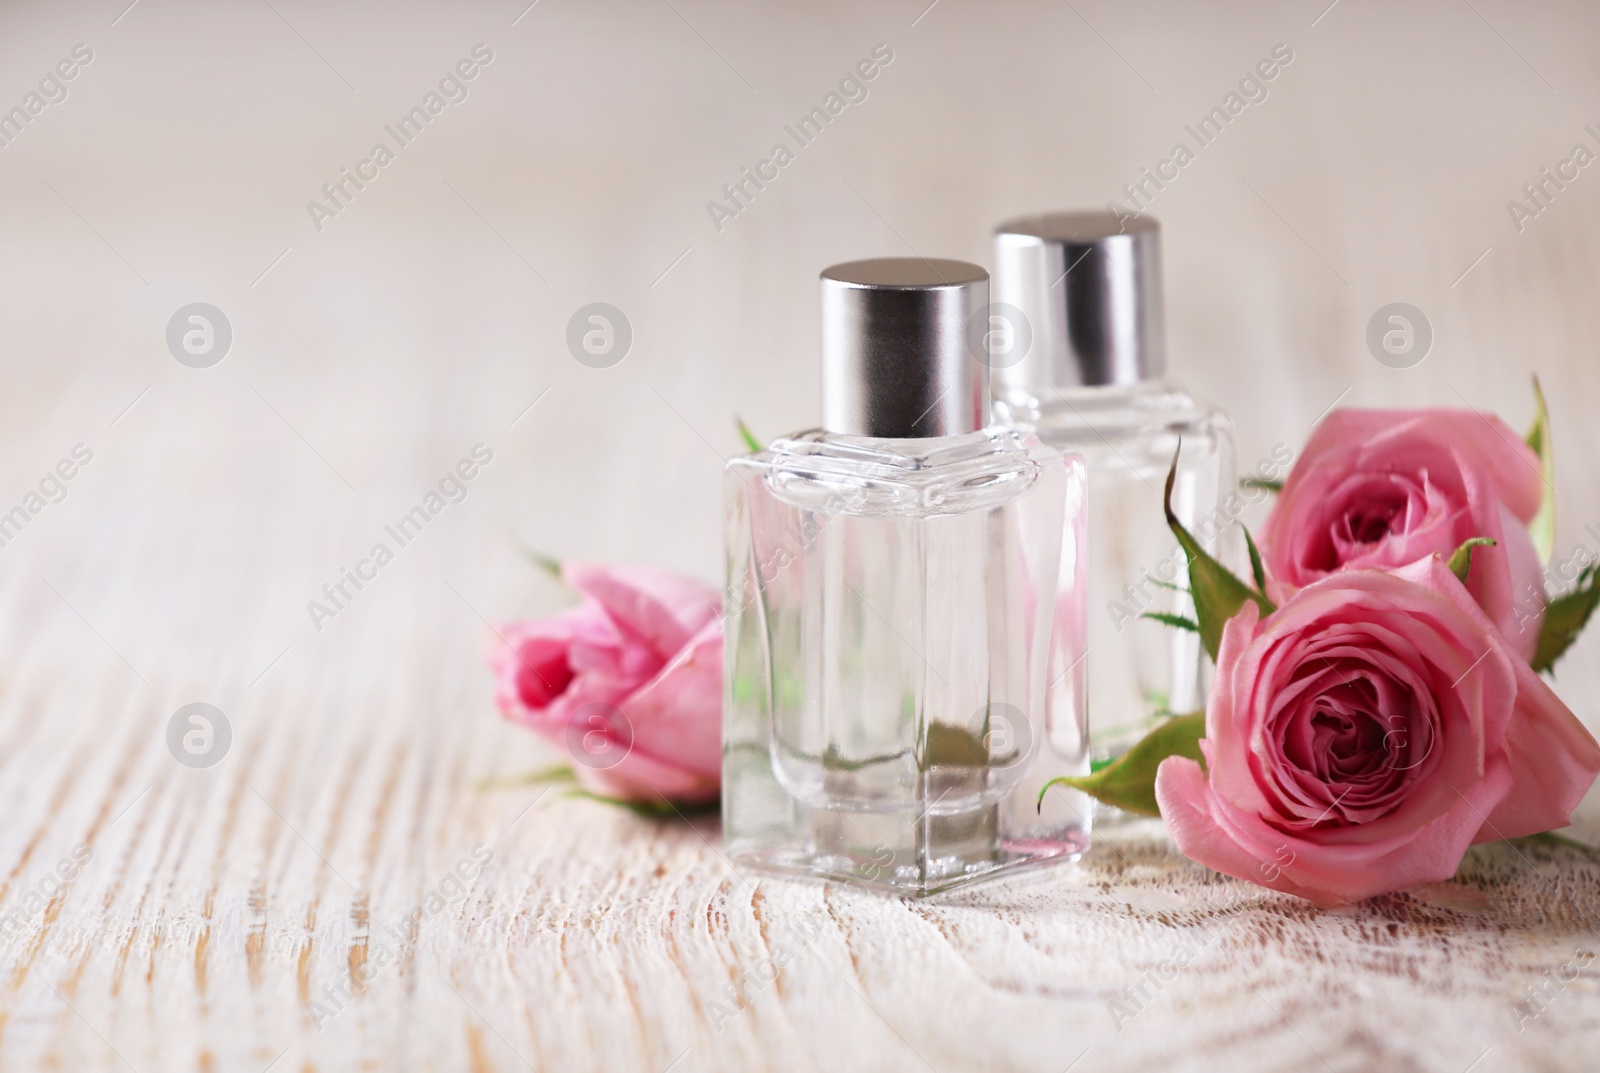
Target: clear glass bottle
{"x": 892, "y": 594}
{"x": 1080, "y": 307}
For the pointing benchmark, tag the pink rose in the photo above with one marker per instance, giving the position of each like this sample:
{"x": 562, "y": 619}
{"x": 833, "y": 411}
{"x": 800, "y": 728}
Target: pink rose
{"x": 1384, "y": 488}
{"x": 629, "y": 682}
{"x": 1362, "y": 736}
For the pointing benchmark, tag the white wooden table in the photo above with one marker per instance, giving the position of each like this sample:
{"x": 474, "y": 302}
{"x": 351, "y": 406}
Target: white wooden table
{"x": 212, "y": 915}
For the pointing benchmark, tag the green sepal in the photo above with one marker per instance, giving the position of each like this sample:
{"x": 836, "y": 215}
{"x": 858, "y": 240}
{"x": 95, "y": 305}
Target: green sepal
{"x": 1461, "y": 559}
{"x": 1129, "y": 783}
{"x": 1175, "y": 621}
{"x": 1257, "y": 571}
{"x": 751, "y": 444}
{"x": 1543, "y": 526}
{"x": 1565, "y": 617}
{"x": 1217, "y": 594}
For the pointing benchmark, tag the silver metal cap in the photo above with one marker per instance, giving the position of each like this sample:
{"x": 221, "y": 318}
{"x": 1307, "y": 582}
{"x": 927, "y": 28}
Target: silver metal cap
{"x": 1089, "y": 291}
{"x": 896, "y": 362}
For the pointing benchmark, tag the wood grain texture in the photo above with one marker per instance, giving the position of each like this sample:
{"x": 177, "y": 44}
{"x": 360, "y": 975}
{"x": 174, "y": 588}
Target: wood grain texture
{"x": 225, "y": 911}
{"x": 221, "y": 908}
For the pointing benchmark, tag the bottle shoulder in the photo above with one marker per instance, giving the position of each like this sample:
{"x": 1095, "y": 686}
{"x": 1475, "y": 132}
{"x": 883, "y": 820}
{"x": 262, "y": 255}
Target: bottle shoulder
{"x": 1152, "y": 410}
{"x": 818, "y": 470}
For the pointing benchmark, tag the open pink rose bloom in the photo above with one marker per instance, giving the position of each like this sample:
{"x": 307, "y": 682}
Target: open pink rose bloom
{"x": 1361, "y": 737}
{"x": 628, "y": 682}
{"x": 1385, "y": 488}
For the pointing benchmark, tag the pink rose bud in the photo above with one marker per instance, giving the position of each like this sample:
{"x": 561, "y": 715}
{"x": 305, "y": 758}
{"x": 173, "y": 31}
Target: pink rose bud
{"x": 628, "y": 683}
{"x": 1384, "y": 488}
{"x": 1361, "y": 737}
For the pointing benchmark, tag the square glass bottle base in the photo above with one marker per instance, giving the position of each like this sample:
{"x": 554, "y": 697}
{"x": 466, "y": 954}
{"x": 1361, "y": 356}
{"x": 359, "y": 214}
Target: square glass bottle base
{"x": 901, "y": 851}
{"x": 815, "y": 864}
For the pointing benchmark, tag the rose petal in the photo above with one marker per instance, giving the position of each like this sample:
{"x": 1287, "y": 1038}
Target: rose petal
{"x": 676, "y": 714}
{"x": 1553, "y": 760}
{"x": 662, "y": 608}
{"x": 1384, "y": 488}
{"x": 642, "y": 777}
{"x": 1212, "y": 832}
{"x": 530, "y": 659}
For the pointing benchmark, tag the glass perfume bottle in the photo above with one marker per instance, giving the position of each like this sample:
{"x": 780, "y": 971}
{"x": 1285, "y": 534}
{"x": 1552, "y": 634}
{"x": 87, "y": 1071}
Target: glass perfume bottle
{"x": 892, "y": 663}
{"x": 1084, "y": 367}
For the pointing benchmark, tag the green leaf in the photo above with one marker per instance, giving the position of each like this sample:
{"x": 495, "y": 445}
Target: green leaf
{"x": 1177, "y": 621}
{"x": 1256, "y": 482}
{"x": 548, "y": 564}
{"x": 650, "y": 810}
{"x": 1217, "y": 594}
{"x": 953, "y": 746}
{"x": 1543, "y": 526}
{"x": 1256, "y": 569}
{"x": 555, "y": 773}
{"x": 1461, "y": 558}
{"x": 1565, "y": 617}
{"x": 749, "y": 438}
{"x": 1129, "y": 783}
